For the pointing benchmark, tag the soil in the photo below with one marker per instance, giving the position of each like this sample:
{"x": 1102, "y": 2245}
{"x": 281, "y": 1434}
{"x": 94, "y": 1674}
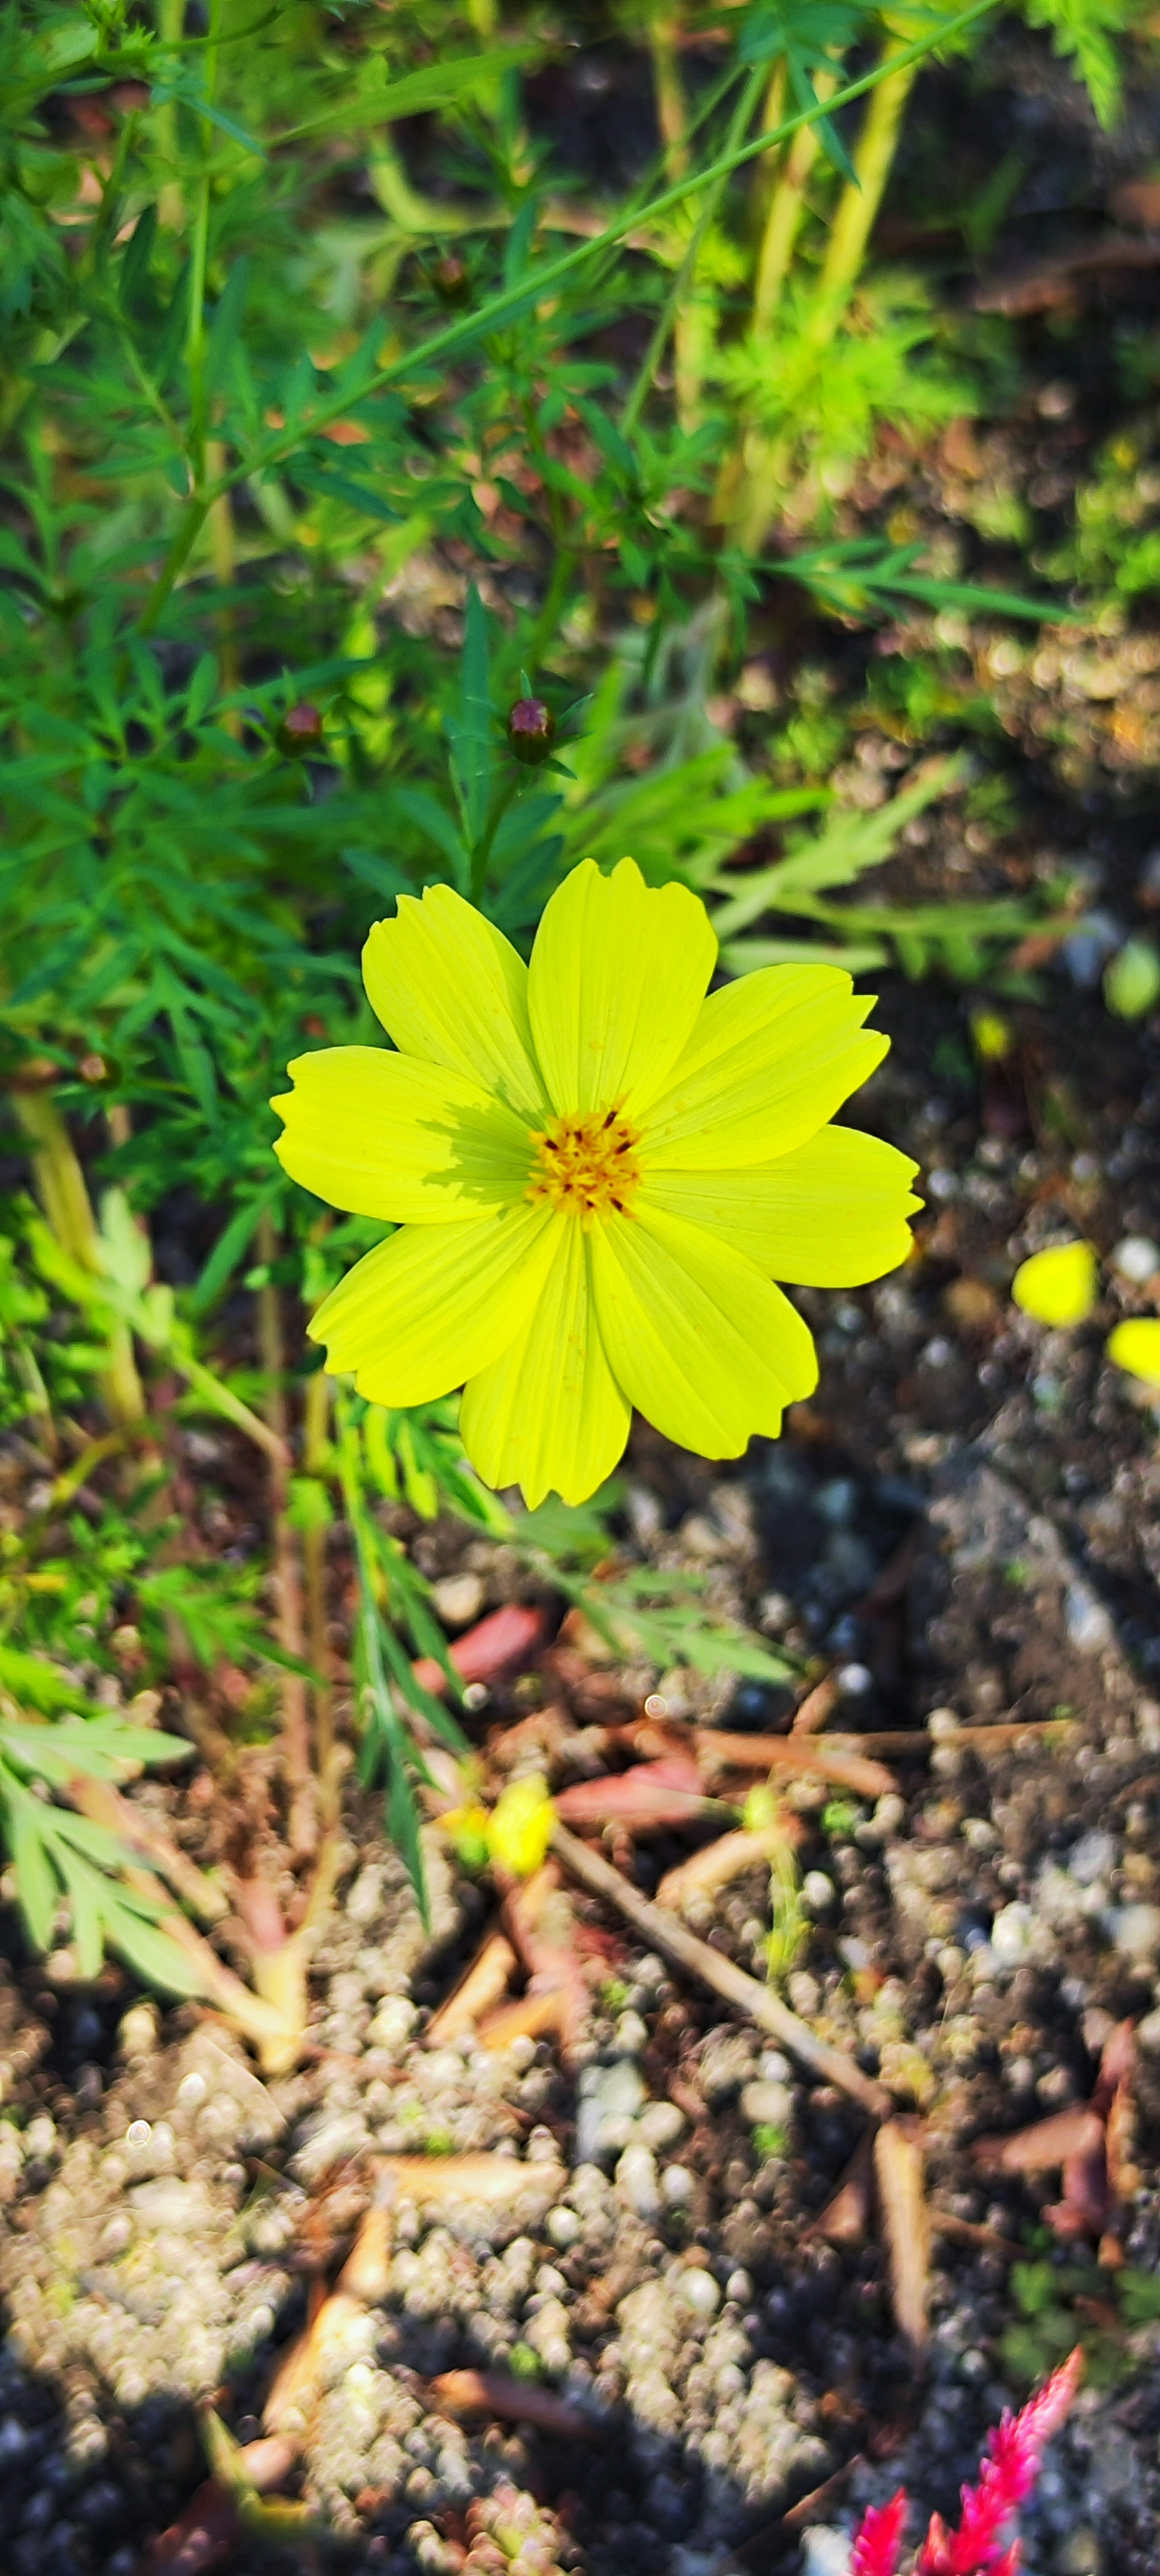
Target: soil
{"x": 962, "y": 1524}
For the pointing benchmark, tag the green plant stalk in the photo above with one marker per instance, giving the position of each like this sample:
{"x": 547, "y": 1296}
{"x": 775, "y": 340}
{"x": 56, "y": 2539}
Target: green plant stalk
{"x": 170, "y": 200}
{"x": 63, "y": 1193}
{"x": 456, "y": 336}
{"x": 783, "y": 222}
{"x": 196, "y": 335}
{"x": 673, "y": 120}
{"x": 673, "y": 309}
{"x": 858, "y": 205}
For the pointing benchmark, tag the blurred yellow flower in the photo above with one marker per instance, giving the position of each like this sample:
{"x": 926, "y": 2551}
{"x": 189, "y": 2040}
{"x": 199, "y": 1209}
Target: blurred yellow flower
{"x": 519, "y": 1828}
{"x": 597, "y": 1174}
{"x": 1057, "y": 1286}
{"x": 1135, "y": 1346}
{"x": 994, "y": 1037}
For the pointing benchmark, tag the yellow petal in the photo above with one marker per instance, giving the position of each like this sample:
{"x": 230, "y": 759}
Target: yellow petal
{"x": 448, "y": 986}
{"x": 386, "y": 1136}
{"x": 830, "y": 1215}
{"x": 433, "y": 1305}
{"x": 705, "y": 1346}
{"x": 769, "y": 1061}
{"x": 1135, "y": 1346}
{"x": 548, "y": 1414}
{"x": 520, "y": 1826}
{"x": 1057, "y": 1286}
{"x": 618, "y": 973}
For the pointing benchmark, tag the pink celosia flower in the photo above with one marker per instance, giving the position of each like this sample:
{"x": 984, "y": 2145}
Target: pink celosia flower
{"x": 1005, "y": 2481}
{"x": 879, "y": 2541}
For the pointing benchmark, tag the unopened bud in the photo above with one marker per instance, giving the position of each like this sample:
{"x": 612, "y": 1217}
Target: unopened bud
{"x": 300, "y": 731}
{"x": 531, "y": 731}
{"x": 92, "y": 1068}
{"x": 450, "y": 279}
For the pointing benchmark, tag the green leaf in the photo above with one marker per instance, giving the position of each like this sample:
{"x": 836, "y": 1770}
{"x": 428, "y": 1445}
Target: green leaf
{"x": 36, "y": 1883}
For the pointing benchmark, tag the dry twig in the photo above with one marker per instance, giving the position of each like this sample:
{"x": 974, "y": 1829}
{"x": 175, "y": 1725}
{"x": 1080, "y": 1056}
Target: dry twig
{"x": 664, "y": 1932}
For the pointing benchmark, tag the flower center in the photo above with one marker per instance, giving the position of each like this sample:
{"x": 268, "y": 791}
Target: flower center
{"x": 587, "y": 1163}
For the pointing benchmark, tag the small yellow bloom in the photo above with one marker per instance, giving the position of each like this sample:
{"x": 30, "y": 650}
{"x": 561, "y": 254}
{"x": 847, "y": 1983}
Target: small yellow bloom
{"x": 1135, "y": 1346}
{"x": 994, "y": 1037}
{"x": 519, "y": 1828}
{"x": 597, "y": 1174}
{"x": 1057, "y": 1286}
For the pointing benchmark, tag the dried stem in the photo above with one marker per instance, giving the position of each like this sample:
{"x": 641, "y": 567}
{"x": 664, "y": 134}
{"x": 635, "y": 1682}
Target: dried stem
{"x": 287, "y": 1576}
{"x": 316, "y": 1447}
{"x": 665, "y": 1933}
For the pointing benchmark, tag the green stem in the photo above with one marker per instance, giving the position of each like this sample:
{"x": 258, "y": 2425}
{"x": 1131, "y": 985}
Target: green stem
{"x": 458, "y": 335}
{"x": 483, "y": 849}
{"x": 674, "y": 304}
{"x": 196, "y": 334}
{"x": 783, "y": 222}
{"x": 858, "y": 205}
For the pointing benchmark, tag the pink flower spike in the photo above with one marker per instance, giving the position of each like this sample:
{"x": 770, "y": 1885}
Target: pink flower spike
{"x": 879, "y": 2539}
{"x": 1006, "y": 2479}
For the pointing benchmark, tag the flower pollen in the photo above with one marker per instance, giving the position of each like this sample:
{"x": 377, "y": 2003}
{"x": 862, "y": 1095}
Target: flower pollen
{"x": 586, "y": 1163}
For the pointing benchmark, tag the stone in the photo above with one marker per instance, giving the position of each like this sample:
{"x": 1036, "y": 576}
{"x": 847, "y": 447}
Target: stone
{"x": 767, "y": 2105}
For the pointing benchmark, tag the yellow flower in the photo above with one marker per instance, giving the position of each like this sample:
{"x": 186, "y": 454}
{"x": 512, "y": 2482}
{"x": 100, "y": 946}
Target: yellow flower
{"x": 1135, "y": 1346}
{"x": 597, "y": 1174}
{"x": 1057, "y": 1286}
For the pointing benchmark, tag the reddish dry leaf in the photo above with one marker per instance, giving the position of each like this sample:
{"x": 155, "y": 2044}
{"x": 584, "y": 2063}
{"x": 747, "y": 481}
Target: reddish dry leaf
{"x": 484, "y": 1984}
{"x": 531, "y": 2016}
{"x": 539, "y": 1921}
{"x": 899, "y": 2171}
{"x": 365, "y": 2274}
{"x": 512, "y": 2401}
{"x": 1117, "y": 2066}
{"x": 202, "y": 2538}
{"x": 296, "y": 2381}
{"x": 210, "y": 2529}
{"x": 668, "y": 1792}
{"x": 1120, "y": 2139}
{"x": 1047, "y": 2145}
{"x": 506, "y": 1642}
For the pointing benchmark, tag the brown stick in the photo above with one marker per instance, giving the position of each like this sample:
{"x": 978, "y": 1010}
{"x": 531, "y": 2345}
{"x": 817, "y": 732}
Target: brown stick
{"x": 814, "y": 1709}
{"x": 665, "y": 1933}
{"x": 484, "y": 1984}
{"x": 899, "y": 2171}
{"x": 829, "y": 1757}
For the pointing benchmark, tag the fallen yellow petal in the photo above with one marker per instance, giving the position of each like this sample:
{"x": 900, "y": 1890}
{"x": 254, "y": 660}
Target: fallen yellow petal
{"x": 520, "y": 1826}
{"x": 1135, "y": 1346}
{"x": 1057, "y": 1286}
